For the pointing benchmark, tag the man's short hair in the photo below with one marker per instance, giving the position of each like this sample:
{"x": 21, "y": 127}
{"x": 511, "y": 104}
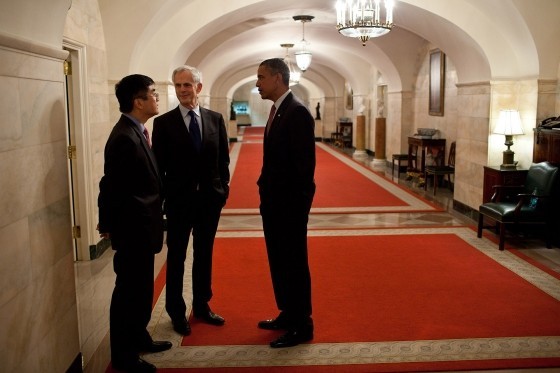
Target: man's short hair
{"x": 196, "y": 74}
{"x": 278, "y": 66}
{"x": 130, "y": 88}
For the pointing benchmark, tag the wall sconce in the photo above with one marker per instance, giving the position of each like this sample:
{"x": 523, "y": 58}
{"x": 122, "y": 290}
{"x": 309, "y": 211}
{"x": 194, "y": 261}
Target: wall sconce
{"x": 509, "y": 124}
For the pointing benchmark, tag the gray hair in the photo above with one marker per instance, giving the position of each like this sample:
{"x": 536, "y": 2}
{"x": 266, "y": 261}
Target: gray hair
{"x": 196, "y": 74}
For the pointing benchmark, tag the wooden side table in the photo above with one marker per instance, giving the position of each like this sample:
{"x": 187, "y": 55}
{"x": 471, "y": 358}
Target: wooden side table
{"x": 493, "y": 175}
{"x": 422, "y": 145}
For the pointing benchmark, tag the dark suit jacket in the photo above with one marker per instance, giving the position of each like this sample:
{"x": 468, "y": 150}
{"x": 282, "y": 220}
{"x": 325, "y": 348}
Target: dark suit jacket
{"x": 287, "y": 175}
{"x": 184, "y": 170}
{"x": 130, "y": 191}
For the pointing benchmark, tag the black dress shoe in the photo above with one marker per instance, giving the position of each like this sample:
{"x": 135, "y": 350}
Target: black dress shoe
{"x": 181, "y": 326}
{"x": 137, "y": 366}
{"x": 209, "y": 317}
{"x": 292, "y": 338}
{"x": 273, "y": 324}
{"x": 156, "y": 346}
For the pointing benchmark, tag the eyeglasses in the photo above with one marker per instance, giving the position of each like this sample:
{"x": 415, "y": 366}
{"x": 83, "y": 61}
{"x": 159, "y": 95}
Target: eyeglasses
{"x": 145, "y": 97}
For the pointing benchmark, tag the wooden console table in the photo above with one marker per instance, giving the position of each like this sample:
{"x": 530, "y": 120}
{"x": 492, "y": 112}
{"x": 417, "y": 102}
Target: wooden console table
{"x": 420, "y": 144}
{"x": 344, "y": 130}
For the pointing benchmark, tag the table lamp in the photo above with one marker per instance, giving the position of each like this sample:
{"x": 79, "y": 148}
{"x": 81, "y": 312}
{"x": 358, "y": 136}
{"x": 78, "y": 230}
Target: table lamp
{"x": 509, "y": 124}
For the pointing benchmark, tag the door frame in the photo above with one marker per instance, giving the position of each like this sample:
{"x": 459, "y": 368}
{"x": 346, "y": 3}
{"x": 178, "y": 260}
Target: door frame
{"x": 79, "y": 123}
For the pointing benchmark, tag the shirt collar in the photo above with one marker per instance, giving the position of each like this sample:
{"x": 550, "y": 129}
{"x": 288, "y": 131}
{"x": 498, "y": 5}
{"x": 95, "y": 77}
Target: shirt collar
{"x": 136, "y": 121}
{"x": 278, "y": 102}
{"x": 185, "y": 111}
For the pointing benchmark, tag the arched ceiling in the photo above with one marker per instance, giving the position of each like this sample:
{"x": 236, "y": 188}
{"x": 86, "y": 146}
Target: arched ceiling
{"x": 228, "y": 39}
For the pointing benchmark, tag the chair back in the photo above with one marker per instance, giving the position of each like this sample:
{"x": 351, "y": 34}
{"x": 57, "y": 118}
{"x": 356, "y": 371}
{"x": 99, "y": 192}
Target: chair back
{"x": 451, "y": 159}
{"x": 542, "y": 177}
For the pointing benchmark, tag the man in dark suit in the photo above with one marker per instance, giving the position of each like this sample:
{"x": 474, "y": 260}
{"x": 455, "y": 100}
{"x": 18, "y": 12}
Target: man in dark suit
{"x": 130, "y": 215}
{"x": 192, "y": 150}
{"x": 286, "y": 188}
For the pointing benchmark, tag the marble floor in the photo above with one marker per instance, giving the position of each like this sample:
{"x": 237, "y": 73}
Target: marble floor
{"x": 95, "y": 279}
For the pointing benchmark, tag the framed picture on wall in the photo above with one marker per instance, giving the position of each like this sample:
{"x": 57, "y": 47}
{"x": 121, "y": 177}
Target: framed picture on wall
{"x": 349, "y": 97}
{"x": 437, "y": 82}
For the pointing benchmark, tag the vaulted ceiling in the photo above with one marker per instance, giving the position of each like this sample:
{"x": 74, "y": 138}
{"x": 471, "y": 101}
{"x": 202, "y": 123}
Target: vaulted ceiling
{"x": 499, "y": 39}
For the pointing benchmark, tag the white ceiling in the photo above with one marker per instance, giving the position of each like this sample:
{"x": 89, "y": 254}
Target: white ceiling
{"x": 227, "y": 39}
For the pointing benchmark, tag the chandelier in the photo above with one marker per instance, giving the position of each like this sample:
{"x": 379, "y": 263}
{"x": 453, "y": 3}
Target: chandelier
{"x": 303, "y": 57}
{"x": 364, "y": 19}
{"x": 294, "y": 74}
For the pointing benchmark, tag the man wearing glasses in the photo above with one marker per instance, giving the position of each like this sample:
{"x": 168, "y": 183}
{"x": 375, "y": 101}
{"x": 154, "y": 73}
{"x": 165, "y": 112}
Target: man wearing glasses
{"x": 130, "y": 214}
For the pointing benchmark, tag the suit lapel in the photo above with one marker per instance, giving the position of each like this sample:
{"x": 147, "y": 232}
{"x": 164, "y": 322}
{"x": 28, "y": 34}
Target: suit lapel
{"x": 279, "y": 115}
{"x": 149, "y": 153}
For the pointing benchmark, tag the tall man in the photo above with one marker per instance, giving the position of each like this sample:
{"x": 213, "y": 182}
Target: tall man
{"x": 192, "y": 150}
{"x": 130, "y": 215}
{"x": 286, "y": 188}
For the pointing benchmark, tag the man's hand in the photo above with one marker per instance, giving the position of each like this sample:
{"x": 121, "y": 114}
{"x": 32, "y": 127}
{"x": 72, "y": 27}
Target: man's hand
{"x": 106, "y": 235}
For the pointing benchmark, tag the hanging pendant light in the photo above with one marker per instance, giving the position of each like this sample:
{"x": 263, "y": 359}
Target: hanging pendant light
{"x": 364, "y": 19}
{"x": 303, "y": 56}
{"x": 295, "y": 75}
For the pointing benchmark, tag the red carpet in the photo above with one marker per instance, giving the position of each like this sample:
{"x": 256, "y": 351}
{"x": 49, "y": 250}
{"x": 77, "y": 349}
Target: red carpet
{"x": 449, "y": 291}
{"x": 384, "y": 288}
{"x": 338, "y": 185}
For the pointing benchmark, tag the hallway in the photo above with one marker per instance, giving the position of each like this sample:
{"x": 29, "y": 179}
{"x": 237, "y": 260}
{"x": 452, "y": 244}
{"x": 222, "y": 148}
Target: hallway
{"x": 95, "y": 278}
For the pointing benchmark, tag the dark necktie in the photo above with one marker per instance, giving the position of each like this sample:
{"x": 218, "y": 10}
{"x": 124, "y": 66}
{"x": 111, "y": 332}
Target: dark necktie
{"x": 147, "y": 136}
{"x": 270, "y": 118}
{"x": 195, "y": 131}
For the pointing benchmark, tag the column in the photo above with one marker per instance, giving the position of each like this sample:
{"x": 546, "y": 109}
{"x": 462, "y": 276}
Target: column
{"x": 232, "y": 130}
{"x": 318, "y": 130}
{"x": 360, "y": 151}
{"x": 379, "y": 161}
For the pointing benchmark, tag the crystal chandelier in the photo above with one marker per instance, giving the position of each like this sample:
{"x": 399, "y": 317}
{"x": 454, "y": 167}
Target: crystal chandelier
{"x": 303, "y": 57}
{"x": 364, "y": 19}
{"x": 294, "y": 74}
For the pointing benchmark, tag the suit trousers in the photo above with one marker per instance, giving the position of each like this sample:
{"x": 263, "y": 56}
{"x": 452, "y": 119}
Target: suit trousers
{"x": 131, "y": 303}
{"x": 202, "y": 220}
{"x": 286, "y": 244}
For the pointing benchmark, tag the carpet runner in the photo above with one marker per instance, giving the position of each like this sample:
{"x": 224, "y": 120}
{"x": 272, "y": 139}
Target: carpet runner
{"x": 384, "y": 300}
{"x": 343, "y": 185}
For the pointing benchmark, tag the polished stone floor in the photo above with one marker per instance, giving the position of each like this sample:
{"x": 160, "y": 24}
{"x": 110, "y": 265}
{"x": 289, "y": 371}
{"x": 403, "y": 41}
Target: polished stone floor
{"x": 95, "y": 279}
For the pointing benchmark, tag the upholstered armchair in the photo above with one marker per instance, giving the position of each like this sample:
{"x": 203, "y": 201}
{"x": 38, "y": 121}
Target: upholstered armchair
{"x": 531, "y": 203}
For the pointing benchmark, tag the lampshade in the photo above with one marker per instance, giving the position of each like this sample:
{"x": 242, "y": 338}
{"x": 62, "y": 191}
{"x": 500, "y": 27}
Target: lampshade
{"x": 509, "y": 123}
{"x": 295, "y": 75}
{"x": 364, "y": 19}
{"x": 303, "y": 56}
{"x": 303, "y": 59}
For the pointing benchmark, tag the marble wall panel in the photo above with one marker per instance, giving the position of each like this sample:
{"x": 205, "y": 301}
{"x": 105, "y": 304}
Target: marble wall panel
{"x": 17, "y": 325}
{"x": 29, "y": 66}
{"x": 43, "y": 112}
{"x": 50, "y": 228}
{"x": 11, "y": 131}
{"x": 14, "y": 243}
{"x": 38, "y": 177}
{"x": 546, "y": 104}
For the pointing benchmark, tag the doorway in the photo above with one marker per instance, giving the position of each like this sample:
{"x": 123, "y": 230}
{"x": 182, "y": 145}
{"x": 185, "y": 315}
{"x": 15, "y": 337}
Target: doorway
{"x": 78, "y": 150}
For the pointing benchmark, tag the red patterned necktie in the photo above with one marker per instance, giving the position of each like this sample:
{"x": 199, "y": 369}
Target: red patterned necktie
{"x": 147, "y": 136}
{"x": 270, "y": 118}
